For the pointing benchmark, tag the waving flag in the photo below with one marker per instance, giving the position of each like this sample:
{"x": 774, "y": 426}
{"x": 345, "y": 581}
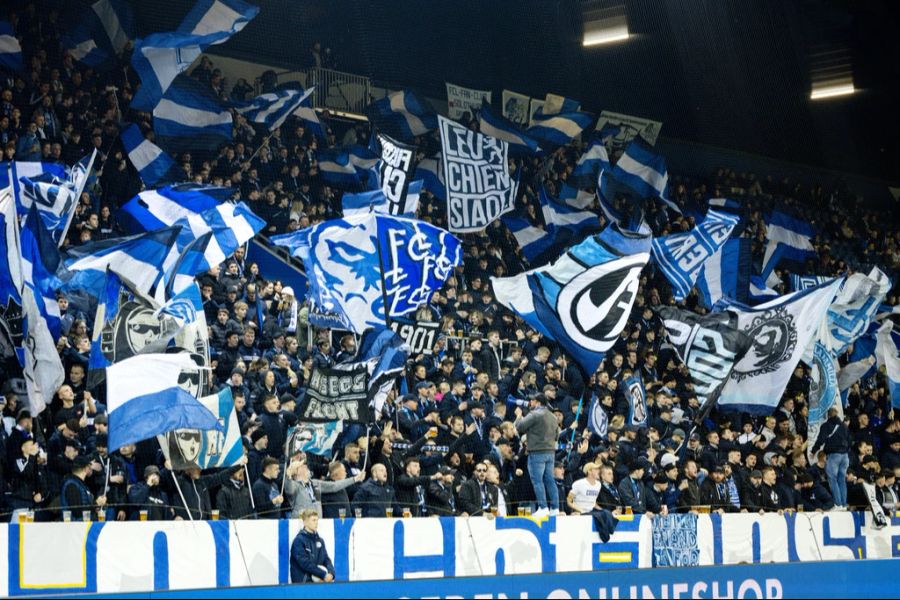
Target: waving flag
{"x": 636, "y": 396}
{"x": 10, "y": 49}
{"x": 153, "y": 209}
{"x": 681, "y": 256}
{"x": 590, "y": 163}
{"x": 887, "y": 355}
{"x": 788, "y": 238}
{"x": 853, "y": 310}
{"x": 402, "y": 115}
{"x": 805, "y": 282}
{"x": 40, "y": 264}
{"x": 12, "y": 319}
{"x": 272, "y": 109}
{"x": 56, "y": 199}
{"x": 430, "y": 171}
{"x": 347, "y": 167}
{"x": 207, "y": 448}
{"x": 861, "y": 361}
{"x": 231, "y": 225}
{"x": 644, "y": 171}
{"x": 562, "y": 216}
{"x": 306, "y": 113}
{"x": 13, "y": 171}
{"x": 153, "y": 165}
{"x": 781, "y": 331}
{"x": 559, "y": 129}
{"x": 535, "y": 242}
{"x": 726, "y": 274}
{"x": 496, "y": 126}
{"x": 583, "y": 299}
{"x": 574, "y": 197}
{"x": 598, "y": 420}
{"x": 101, "y": 34}
{"x": 190, "y": 118}
{"x": 355, "y": 263}
{"x": 313, "y": 438}
{"x": 375, "y": 201}
{"x": 218, "y": 16}
{"x": 824, "y": 393}
{"x": 145, "y": 398}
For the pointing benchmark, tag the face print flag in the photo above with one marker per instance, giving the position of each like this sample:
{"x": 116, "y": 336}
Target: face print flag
{"x": 207, "y": 448}
{"x": 356, "y": 264}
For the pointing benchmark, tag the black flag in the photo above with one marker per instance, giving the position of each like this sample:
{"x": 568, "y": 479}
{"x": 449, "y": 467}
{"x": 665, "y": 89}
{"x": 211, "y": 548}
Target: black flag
{"x": 710, "y": 345}
{"x": 337, "y": 394}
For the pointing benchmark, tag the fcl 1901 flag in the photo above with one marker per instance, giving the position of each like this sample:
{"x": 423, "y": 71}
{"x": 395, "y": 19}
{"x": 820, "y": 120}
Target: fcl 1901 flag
{"x": 781, "y": 331}
{"x": 476, "y": 177}
{"x": 583, "y": 299}
{"x": 710, "y": 346}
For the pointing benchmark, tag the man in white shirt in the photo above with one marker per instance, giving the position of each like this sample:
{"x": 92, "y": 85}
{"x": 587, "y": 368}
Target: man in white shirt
{"x": 583, "y": 496}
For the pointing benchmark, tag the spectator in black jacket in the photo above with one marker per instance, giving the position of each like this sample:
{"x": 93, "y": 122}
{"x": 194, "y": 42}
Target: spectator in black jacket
{"x": 441, "y": 499}
{"x": 375, "y": 496}
{"x": 26, "y": 478}
{"x": 834, "y": 438}
{"x": 689, "y": 495}
{"x": 309, "y": 558}
{"x": 275, "y": 422}
{"x": 771, "y": 499}
{"x": 609, "y": 497}
{"x": 631, "y": 488}
{"x": 714, "y": 491}
{"x": 196, "y": 504}
{"x": 146, "y": 495}
{"x": 411, "y": 488}
{"x": 813, "y": 496}
{"x": 476, "y": 497}
{"x": 267, "y": 490}
{"x": 234, "y": 500}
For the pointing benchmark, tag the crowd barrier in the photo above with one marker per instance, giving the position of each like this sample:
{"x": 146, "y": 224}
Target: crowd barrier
{"x": 143, "y": 556}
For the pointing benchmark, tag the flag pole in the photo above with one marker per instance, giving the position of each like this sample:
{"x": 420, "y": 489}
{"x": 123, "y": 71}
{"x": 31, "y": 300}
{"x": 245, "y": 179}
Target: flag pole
{"x": 249, "y": 488}
{"x": 181, "y": 494}
{"x": 574, "y": 431}
{"x": 384, "y": 297}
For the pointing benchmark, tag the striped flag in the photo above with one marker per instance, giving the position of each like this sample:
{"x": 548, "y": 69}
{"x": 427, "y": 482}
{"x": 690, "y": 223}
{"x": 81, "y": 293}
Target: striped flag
{"x": 101, "y": 34}
{"x": 272, "y": 109}
{"x": 501, "y": 128}
{"x": 190, "y": 118}
{"x": 10, "y": 49}
{"x": 153, "y": 165}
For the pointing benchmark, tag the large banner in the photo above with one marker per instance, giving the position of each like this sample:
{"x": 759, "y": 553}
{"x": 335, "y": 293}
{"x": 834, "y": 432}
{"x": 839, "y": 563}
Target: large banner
{"x": 461, "y": 100}
{"x": 516, "y": 108}
{"x": 420, "y": 336}
{"x": 337, "y": 394}
{"x": 396, "y": 170}
{"x": 476, "y": 175}
{"x": 206, "y": 449}
{"x": 618, "y": 130}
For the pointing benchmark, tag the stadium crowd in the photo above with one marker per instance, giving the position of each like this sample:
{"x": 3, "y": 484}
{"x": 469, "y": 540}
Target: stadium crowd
{"x": 456, "y": 443}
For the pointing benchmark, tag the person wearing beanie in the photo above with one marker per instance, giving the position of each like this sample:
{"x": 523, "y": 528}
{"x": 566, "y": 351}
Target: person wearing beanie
{"x": 147, "y": 495}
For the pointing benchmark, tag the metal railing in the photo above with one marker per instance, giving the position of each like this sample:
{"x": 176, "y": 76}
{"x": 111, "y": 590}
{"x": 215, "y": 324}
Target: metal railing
{"x": 334, "y": 90}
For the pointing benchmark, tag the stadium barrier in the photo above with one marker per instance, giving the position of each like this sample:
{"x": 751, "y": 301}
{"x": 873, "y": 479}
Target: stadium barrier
{"x": 58, "y": 558}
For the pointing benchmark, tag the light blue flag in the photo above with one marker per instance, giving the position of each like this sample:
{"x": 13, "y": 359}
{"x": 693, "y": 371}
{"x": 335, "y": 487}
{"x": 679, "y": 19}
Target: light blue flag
{"x": 138, "y": 258}
{"x": 760, "y": 290}
{"x": 153, "y": 165}
{"x": 211, "y": 448}
{"x": 535, "y": 242}
{"x": 886, "y": 353}
{"x": 145, "y": 398}
{"x": 190, "y": 118}
{"x": 153, "y": 209}
{"x": 805, "y": 282}
{"x": 788, "y": 238}
{"x": 10, "y": 50}
{"x": 854, "y": 309}
{"x": 40, "y": 264}
{"x": 644, "y": 171}
{"x": 583, "y": 299}
{"x": 431, "y": 173}
{"x": 501, "y": 128}
{"x": 101, "y": 33}
{"x": 637, "y": 401}
{"x": 559, "y": 129}
{"x": 861, "y": 362}
{"x": 823, "y": 392}
{"x": 357, "y": 264}
{"x": 313, "y": 438}
{"x": 680, "y": 256}
{"x": 402, "y": 115}
{"x": 273, "y": 109}
{"x": 348, "y": 166}
{"x": 590, "y": 163}
{"x": 598, "y": 420}
{"x": 726, "y": 274}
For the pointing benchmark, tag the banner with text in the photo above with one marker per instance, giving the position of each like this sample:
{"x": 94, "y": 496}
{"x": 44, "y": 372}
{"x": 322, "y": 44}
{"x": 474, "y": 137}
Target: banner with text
{"x": 476, "y": 175}
{"x": 396, "y": 169}
{"x": 461, "y": 100}
{"x": 337, "y": 394}
{"x": 420, "y": 337}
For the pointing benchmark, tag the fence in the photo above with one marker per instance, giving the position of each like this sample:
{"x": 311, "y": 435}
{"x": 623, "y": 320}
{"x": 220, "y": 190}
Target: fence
{"x": 335, "y": 90}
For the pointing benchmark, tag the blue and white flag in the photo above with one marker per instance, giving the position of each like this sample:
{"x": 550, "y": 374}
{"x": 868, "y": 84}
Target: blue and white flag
{"x": 218, "y": 16}
{"x": 306, "y": 113}
{"x": 145, "y": 398}
{"x": 10, "y": 50}
{"x": 13, "y": 171}
{"x": 644, "y": 170}
{"x": 351, "y": 261}
{"x": 583, "y": 299}
{"x": 384, "y": 354}
{"x": 138, "y": 258}
{"x": 574, "y": 197}
{"x": 636, "y": 396}
{"x": 40, "y": 265}
{"x": 886, "y": 353}
{"x": 861, "y": 362}
{"x": 853, "y": 310}
{"x": 12, "y": 319}
{"x": 431, "y": 172}
{"x": 535, "y": 242}
{"x": 598, "y": 420}
{"x": 375, "y": 201}
{"x": 788, "y": 238}
{"x": 681, "y": 256}
{"x": 760, "y": 291}
{"x": 781, "y": 331}
{"x": 590, "y": 163}
{"x": 153, "y": 209}
{"x": 496, "y": 126}
{"x": 554, "y": 104}
{"x": 564, "y": 216}
{"x": 823, "y": 393}
{"x": 190, "y": 117}
{"x": 805, "y": 282}
{"x": 153, "y": 165}
{"x": 207, "y": 448}
{"x": 181, "y": 266}
{"x": 101, "y": 33}
{"x": 559, "y": 129}
{"x": 726, "y": 274}
{"x": 402, "y": 115}
{"x": 273, "y": 109}
{"x": 56, "y": 199}
{"x": 349, "y": 166}
{"x": 313, "y": 438}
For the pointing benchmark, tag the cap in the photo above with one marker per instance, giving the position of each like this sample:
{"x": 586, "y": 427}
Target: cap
{"x": 424, "y": 385}
{"x": 430, "y": 409}
{"x": 287, "y": 291}
{"x": 679, "y": 433}
{"x": 695, "y": 436}
{"x": 445, "y": 470}
{"x": 258, "y": 435}
{"x": 637, "y": 464}
{"x": 502, "y": 441}
{"x": 661, "y": 478}
{"x": 151, "y": 470}
{"x": 755, "y": 474}
{"x": 668, "y": 459}
{"x": 101, "y": 419}
{"x": 81, "y": 462}
{"x": 232, "y": 289}
{"x": 719, "y": 468}
{"x": 23, "y": 414}
{"x": 101, "y": 441}
{"x": 475, "y": 404}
